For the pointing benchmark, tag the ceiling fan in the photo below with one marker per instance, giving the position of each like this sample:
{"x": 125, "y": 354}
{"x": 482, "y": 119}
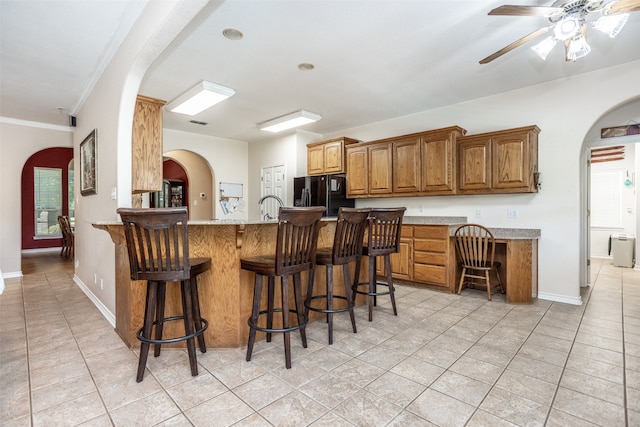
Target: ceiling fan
{"x": 568, "y": 24}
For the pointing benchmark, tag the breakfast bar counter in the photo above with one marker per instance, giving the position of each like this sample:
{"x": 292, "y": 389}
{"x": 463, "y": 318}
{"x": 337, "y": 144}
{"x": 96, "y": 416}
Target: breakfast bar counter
{"x": 226, "y": 291}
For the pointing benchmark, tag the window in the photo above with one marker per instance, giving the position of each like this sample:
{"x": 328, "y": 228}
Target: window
{"x": 48, "y": 201}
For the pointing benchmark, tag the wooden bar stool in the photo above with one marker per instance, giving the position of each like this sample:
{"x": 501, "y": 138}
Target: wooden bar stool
{"x": 347, "y": 247}
{"x": 295, "y": 251}
{"x": 158, "y": 248}
{"x": 383, "y": 239}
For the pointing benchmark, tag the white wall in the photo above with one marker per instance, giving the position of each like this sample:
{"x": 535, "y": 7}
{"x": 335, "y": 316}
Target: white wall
{"x": 19, "y": 140}
{"x": 565, "y": 111}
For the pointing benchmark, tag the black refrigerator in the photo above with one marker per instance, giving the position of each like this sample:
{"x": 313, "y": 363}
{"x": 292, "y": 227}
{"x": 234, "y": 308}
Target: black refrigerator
{"x": 329, "y": 191}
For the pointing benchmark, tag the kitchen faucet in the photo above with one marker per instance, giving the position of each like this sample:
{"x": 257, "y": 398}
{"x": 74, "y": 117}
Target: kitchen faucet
{"x": 266, "y": 216}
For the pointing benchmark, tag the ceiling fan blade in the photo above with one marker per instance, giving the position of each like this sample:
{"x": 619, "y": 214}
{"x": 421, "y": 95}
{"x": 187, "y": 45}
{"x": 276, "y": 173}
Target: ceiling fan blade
{"x": 515, "y": 10}
{"x": 515, "y": 44}
{"x": 623, "y": 6}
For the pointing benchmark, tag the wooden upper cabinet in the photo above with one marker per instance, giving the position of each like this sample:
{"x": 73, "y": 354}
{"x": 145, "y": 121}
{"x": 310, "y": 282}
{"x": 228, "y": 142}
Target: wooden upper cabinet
{"x": 380, "y": 169}
{"x": 515, "y": 159}
{"x": 146, "y": 145}
{"x": 438, "y": 161}
{"x": 474, "y": 164}
{"x": 499, "y": 162}
{"x": 406, "y": 165}
{"x": 357, "y": 171}
{"x": 327, "y": 156}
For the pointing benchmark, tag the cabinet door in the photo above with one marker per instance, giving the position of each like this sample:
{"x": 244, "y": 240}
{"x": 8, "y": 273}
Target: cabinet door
{"x": 333, "y": 159}
{"x": 402, "y": 261}
{"x": 512, "y": 162}
{"x": 146, "y": 145}
{"x": 474, "y": 160}
{"x": 380, "y": 166}
{"x": 406, "y": 165}
{"x": 315, "y": 160}
{"x": 437, "y": 153}
{"x": 357, "y": 172}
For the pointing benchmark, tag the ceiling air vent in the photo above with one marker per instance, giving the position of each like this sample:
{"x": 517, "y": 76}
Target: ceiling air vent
{"x": 197, "y": 122}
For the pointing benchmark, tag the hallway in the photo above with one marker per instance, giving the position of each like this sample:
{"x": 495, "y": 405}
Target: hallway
{"x": 446, "y": 360}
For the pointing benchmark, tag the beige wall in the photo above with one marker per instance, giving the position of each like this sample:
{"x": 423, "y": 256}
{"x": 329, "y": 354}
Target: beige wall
{"x": 19, "y": 140}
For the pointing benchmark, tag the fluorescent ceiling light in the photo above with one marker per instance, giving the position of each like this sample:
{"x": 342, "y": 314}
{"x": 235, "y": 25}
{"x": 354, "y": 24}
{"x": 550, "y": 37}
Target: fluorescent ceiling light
{"x": 288, "y": 121}
{"x": 199, "y": 98}
{"x": 611, "y": 24}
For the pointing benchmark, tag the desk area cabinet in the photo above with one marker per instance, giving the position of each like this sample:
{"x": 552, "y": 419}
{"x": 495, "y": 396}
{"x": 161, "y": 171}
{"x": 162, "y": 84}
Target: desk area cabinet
{"x": 428, "y": 256}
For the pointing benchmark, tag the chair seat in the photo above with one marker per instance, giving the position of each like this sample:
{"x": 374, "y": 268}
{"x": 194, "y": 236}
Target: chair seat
{"x": 264, "y": 264}
{"x": 487, "y": 266}
{"x": 324, "y": 255}
{"x": 199, "y": 265}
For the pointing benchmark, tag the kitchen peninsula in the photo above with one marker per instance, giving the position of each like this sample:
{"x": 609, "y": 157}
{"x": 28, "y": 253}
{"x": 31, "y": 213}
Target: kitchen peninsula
{"x": 427, "y": 256}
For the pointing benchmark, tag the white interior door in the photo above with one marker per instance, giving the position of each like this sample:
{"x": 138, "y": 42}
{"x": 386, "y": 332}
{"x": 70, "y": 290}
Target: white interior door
{"x": 273, "y": 183}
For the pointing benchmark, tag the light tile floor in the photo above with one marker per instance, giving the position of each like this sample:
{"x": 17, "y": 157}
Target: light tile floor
{"x": 445, "y": 360}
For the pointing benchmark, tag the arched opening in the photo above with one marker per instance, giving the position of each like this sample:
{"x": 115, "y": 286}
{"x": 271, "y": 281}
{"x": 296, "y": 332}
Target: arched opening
{"x": 200, "y": 177}
{"x": 595, "y": 239}
{"x": 47, "y": 191}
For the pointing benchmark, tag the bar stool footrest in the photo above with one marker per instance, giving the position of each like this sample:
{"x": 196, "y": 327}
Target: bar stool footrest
{"x": 355, "y": 289}
{"x": 175, "y": 339}
{"x": 333, "y": 310}
{"x": 276, "y": 330}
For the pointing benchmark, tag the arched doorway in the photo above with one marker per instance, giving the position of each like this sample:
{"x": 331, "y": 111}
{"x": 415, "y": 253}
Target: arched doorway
{"x": 623, "y": 114}
{"x": 47, "y": 191}
{"x": 201, "y": 184}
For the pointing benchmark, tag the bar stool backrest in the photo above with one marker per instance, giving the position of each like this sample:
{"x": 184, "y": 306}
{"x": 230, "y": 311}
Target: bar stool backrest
{"x": 475, "y": 245}
{"x": 297, "y": 239}
{"x": 350, "y": 228}
{"x": 157, "y": 242}
{"x": 384, "y": 230}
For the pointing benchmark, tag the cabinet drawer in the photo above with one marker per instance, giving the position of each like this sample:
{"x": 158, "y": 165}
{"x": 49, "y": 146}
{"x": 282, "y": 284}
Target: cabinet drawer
{"x": 431, "y": 232}
{"x": 430, "y": 273}
{"x": 429, "y": 258}
{"x": 406, "y": 231}
{"x": 430, "y": 245}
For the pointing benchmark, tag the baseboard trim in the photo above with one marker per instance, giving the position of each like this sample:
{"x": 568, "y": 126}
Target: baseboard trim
{"x": 99, "y": 305}
{"x": 560, "y": 298}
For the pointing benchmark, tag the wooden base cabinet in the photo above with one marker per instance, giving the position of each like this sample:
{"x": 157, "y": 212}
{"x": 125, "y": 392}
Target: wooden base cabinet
{"x": 431, "y": 253}
{"x": 401, "y": 262}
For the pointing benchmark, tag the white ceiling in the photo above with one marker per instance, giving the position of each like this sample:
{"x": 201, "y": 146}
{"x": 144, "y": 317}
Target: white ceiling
{"x": 374, "y": 60}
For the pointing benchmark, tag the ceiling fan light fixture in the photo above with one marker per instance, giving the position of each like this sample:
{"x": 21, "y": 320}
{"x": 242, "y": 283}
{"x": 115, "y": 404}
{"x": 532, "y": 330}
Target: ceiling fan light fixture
{"x": 288, "y": 121}
{"x": 611, "y": 25}
{"x": 200, "y": 97}
{"x": 578, "y": 48}
{"x": 543, "y": 48}
{"x": 567, "y": 28}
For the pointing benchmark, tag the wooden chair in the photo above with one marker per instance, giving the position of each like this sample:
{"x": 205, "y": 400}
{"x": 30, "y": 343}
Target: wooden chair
{"x": 383, "y": 239}
{"x": 475, "y": 246}
{"x": 347, "y": 247}
{"x": 67, "y": 236}
{"x": 295, "y": 251}
{"x": 158, "y": 248}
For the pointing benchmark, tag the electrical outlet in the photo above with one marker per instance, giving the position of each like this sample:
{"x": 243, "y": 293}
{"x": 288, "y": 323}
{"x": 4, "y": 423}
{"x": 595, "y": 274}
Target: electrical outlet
{"x": 478, "y": 213}
{"x": 101, "y": 285}
{"x": 512, "y": 213}
{"x": 95, "y": 278}
{"x": 77, "y": 263}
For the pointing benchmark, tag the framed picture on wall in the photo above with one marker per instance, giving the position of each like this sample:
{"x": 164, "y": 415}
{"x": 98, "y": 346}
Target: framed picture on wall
{"x": 88, "y": 164}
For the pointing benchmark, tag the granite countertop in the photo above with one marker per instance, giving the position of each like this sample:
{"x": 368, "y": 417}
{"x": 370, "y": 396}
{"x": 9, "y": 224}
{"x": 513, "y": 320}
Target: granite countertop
{"x": 434, "y": 220}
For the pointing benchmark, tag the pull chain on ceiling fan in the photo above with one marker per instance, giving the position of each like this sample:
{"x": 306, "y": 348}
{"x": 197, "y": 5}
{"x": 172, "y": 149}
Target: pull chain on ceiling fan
{"x": 568, "y": 24}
